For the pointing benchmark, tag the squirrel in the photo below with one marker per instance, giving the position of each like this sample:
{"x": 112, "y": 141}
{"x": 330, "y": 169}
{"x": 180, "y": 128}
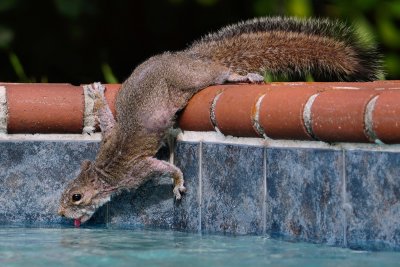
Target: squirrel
{"x": 150, "y": 98}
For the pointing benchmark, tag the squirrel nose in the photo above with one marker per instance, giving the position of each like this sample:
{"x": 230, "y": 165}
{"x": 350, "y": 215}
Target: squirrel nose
{"x": 61, "y": 211}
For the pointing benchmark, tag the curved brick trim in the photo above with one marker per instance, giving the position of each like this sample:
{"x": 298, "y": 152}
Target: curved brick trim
{"x": 111, "y": 95}
{"x": 236, "y": 115}
{"x": 44, "y": 108}
{"x": 197, "y": 115}
{"x": 338, "y": 115}
{"x": 386, "y": 117}
{"x": 281, "y": 113}
{"x": 307, "y": 115}
{"x": 338, "y": 112}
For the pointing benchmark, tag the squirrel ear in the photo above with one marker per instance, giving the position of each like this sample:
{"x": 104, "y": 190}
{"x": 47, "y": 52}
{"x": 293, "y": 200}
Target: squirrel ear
{"x": 85, "y": 165}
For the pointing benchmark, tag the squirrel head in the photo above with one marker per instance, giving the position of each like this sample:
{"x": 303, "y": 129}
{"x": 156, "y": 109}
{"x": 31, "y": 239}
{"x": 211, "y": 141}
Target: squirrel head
{"x": 84, "y": 195}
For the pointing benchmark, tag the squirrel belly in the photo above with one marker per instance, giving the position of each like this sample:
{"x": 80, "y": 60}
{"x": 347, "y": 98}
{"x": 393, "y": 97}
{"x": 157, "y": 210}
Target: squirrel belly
{"x": 158, "y": 88}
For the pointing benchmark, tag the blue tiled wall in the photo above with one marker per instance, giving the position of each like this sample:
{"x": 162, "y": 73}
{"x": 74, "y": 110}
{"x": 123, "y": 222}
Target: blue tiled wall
{"x": 373, "y": 193}
{"x": 340, "y": 197}
{"x": 232, "y": 189}
{"x": 304, "y": 189}
{"x": 33, "y": 174}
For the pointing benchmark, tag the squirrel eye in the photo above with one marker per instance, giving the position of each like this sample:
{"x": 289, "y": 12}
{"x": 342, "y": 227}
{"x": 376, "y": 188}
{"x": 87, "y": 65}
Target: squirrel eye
{"x": 76, "y": 197}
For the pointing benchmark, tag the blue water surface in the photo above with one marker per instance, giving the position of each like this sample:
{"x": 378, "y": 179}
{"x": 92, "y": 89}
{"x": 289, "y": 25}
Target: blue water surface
{"x": 21, "y": 246}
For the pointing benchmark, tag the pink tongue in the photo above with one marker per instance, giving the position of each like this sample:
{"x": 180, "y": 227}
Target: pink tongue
{"x": 77, "y": 222}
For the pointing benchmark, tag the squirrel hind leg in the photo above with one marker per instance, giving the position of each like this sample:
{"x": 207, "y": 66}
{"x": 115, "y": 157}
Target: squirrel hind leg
{"x": 248, "y": 78}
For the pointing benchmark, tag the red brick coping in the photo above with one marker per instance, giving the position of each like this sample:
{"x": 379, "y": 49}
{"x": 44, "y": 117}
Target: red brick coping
{"x": 331, "y": 112}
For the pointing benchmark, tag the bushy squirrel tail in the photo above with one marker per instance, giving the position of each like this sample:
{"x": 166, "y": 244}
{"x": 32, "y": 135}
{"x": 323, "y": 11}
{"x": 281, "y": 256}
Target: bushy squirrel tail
{"x": 327, "y": 50}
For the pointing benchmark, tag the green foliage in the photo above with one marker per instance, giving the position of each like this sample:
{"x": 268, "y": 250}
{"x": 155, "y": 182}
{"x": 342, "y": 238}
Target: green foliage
{"x": 376, "y": 21}
{"x": 18, "y": 68}
{"x": 78, "y": 36}
{"x": 176, "y": 2}
{"x": 392, "y": 63}
{"x": 207, "y": 2}
{"x": 108, "y": 74}
{"x": 74, "y": 8}
{"x": 299, "y": 8}
{"x": 6, "y": 37}
{"x": 6, "y": 5}
{"x": 70, "y": 8}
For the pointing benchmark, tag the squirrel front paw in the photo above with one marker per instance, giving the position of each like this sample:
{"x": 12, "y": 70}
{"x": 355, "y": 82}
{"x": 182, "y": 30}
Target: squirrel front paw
{"x": 178, "y": 189}
{"x": 249, "y": 78}
{"x": 178, "y": 184}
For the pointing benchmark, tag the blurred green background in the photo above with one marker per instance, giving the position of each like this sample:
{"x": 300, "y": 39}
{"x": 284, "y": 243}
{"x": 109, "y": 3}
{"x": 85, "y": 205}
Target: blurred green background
{"x": 81, "y": 41}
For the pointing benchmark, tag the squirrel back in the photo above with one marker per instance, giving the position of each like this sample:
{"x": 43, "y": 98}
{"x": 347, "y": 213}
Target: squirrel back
{"x": 280, "y": 46}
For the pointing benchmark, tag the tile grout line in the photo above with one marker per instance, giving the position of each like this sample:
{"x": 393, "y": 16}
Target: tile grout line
{"x": 108, "y": 219}
{"x": 200, "y": 193}
{"x": 264, "y": 204}
{"x": 3, "y": 110}
{"x": 345, "y": 206}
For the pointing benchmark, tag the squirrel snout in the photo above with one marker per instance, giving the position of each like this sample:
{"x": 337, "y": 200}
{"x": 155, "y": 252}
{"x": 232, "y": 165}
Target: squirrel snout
{"x": 61, "y": 211}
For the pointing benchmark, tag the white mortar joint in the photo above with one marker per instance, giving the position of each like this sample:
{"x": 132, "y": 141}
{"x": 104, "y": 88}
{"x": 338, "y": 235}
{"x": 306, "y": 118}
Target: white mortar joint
{"x": 89, "y": 118}
{"x": 307, "y": 115}
{"x": 212, "y": 112}
{"x": 256, "y": 120}
{"x": 369, "y": 122}
{"x": 3, "y": 110}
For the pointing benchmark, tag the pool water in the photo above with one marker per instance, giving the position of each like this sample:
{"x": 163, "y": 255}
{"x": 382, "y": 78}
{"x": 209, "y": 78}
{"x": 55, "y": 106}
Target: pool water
{"x": 21, "y": 246}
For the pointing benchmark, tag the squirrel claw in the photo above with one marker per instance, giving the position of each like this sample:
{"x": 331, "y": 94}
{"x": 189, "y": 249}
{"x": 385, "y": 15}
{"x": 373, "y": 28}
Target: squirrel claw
{"x": 254, "y": 78}
{"x": 249, "y": 78}
{"x": 178, "y": 190}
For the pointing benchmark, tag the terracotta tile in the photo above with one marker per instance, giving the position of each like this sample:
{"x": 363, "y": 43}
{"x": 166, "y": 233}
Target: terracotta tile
{"x": 111, "y": 94}
{"x": 386, "y": 117}
{"x": 379, "y": 85}
{"x": 323, "y": 85}
{"x": 36, "y": 84}
{"x": 235, "y": 109}
{"x": 45, "y": 108}
{"x": 338, "y": 115}
{"x": 389, "y": 84}
{"x": 281, "y": 113}
{"x": 196, "y": 116}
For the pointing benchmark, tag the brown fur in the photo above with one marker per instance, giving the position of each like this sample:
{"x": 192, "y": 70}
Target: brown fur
{"x": 150, "y": 98}
{"x": 328, "y": 50}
